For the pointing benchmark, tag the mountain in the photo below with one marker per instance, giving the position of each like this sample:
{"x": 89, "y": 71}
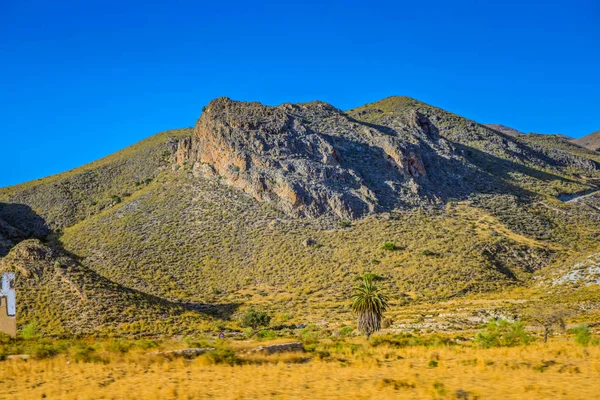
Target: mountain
{"x": 504, "y": 129}
{"x": 282, "y": 206}
{"x": 591, "y": 141}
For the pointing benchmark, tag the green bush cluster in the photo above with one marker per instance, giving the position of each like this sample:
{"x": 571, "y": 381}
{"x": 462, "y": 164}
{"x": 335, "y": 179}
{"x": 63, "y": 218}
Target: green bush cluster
{"x": 503, "y": 333}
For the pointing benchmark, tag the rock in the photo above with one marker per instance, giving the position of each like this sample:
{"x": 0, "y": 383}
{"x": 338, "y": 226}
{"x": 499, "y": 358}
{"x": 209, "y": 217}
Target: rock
{"x": 307, "y": 159}
{"x": 185, "y": 353}
{"x": 309, "y": 242}
{"x": 18, "y": 357}
{"x": 279, "y": 348}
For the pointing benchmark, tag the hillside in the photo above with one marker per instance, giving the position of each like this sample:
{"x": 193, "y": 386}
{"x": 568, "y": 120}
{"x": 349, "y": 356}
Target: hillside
{"x": 281, "y": 207}
{"x": 504, "y": 129}
{"x": 591, "y": 141}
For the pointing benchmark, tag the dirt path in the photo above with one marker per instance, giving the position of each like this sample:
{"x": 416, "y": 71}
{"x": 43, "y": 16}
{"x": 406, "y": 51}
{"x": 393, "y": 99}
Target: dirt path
{"x": 571, "y": 198}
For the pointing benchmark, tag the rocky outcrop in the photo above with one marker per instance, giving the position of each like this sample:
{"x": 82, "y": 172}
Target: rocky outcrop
{"x": 311, "y": 159}
{"x": 279, "y": 348}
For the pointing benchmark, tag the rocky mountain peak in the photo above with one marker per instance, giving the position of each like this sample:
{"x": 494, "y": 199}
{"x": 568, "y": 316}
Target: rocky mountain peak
{"x": 309, "y": 159}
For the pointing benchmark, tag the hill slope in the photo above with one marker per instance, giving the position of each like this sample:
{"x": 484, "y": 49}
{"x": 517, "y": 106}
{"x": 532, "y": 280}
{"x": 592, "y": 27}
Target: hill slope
{"x": 284, "y": 205}
{"x": 591, "y": 141}
{"x": 504, "y": 129}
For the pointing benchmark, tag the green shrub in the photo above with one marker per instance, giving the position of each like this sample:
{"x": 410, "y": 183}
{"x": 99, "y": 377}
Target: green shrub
{"x": 43, "y": 351}
{"x": 407, "y": 340}
{"x": 4, "y": 338}
{"x": 502, "y": 333}
{"x": 345, "y": 224}
{"x": 432, "y": 364}
{"x": 346, "y": 331}
{"x": 267, "y": 334}
{"x": 390, "y": 246}
{"x": 146, "y": 344}
{"x": 583, "y": 335}
{"x": 310, "y": 334}
{"x": 30, "y": 331}
{"x": 119, "y": 346}
{"x": 223, "y": 356}
{"x": 84, "y": 353}
{"x": 255, "y": 319}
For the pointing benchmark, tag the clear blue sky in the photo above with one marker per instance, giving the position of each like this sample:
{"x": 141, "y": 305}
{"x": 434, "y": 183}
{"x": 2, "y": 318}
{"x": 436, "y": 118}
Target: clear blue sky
{"x": 82, "y": 79}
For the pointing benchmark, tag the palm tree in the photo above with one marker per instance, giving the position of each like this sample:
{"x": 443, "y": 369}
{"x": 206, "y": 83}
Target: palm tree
{"x": 368, "y": 304}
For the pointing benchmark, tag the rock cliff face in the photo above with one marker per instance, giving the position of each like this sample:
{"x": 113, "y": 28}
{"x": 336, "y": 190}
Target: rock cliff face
{"x": 312, "y": 159}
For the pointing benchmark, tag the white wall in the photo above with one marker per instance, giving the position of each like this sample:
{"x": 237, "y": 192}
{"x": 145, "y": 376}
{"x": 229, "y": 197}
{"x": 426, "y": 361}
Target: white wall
{"x": 10, "y": 294}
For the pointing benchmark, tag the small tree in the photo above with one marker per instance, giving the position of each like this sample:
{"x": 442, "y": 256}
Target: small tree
{"x": 369, "y": 304}
{"x": 548, "y": 318}
{"x": 255, "y": 319}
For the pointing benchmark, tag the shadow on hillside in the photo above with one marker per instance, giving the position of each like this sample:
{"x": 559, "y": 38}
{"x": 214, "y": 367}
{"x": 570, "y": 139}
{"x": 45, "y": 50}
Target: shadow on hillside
{"x": 18, "y": 222}
{"x": 221, "y": 311}
{"x": 24, "y": 220}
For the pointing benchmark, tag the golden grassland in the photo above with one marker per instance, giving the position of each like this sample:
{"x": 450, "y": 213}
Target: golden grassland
{"x": 352, "y": 369}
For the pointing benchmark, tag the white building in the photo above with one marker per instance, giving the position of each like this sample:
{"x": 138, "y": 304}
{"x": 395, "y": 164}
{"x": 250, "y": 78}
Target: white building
{"x": 8, "y": 293}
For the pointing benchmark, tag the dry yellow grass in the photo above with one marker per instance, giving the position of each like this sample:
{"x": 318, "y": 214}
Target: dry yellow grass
{"x": 559, "y": 369}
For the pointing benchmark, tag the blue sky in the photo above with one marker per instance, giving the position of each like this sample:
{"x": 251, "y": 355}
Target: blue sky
{"x": 82, "y": 79}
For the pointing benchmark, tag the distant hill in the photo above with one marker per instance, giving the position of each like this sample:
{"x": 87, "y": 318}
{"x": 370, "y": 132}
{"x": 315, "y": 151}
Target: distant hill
{"x": 591, "y": 141}
{"x": 284, "y": 206}
{"x": 504, "y": 129}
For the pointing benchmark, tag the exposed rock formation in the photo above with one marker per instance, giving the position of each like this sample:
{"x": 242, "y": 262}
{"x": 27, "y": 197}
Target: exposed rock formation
{"x": 312, "y": 159}
{"x": 280, "y": 348}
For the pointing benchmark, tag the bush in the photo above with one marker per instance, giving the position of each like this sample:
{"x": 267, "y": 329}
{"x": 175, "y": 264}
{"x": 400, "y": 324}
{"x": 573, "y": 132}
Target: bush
{"x": 119, "y": 346}
{"x": 390, "y": 246}
{"x": 5, "y": 338}
{"x": 502, "y": 333}
{"x": 406, "y": 340}
{"x": 310, "y": 334}
{"x": 30, "y": 331}
{"x": 42, "y": 351}
{"x": 255, "y": 319}
{"x": 583, "y": 335}
{"x": 267, "y": 334}
{"x": 146, "y": 344}
{"x": 223, "y": 356}
{"x": 346, "y": 331}
{"x": 84, "y": 353}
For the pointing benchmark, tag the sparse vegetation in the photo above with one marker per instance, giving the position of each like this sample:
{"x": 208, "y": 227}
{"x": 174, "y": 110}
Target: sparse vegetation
{"x": 549, "y": 318}
{"x": 385, "y": 370}
{"x": 503, "y": 333}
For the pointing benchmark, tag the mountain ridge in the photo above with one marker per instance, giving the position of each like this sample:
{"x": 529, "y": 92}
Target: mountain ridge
{"x": 315, "y": 194}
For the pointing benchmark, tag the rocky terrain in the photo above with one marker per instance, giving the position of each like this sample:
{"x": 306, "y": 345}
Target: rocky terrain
{"x": 285, "y": 205}
{"x": 591, "y": 141}
{"x": 504, "y": 129}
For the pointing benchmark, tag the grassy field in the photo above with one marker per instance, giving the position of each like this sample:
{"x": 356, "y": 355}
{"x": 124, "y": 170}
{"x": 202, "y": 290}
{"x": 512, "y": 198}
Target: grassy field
{"x": 329, "y": 369}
